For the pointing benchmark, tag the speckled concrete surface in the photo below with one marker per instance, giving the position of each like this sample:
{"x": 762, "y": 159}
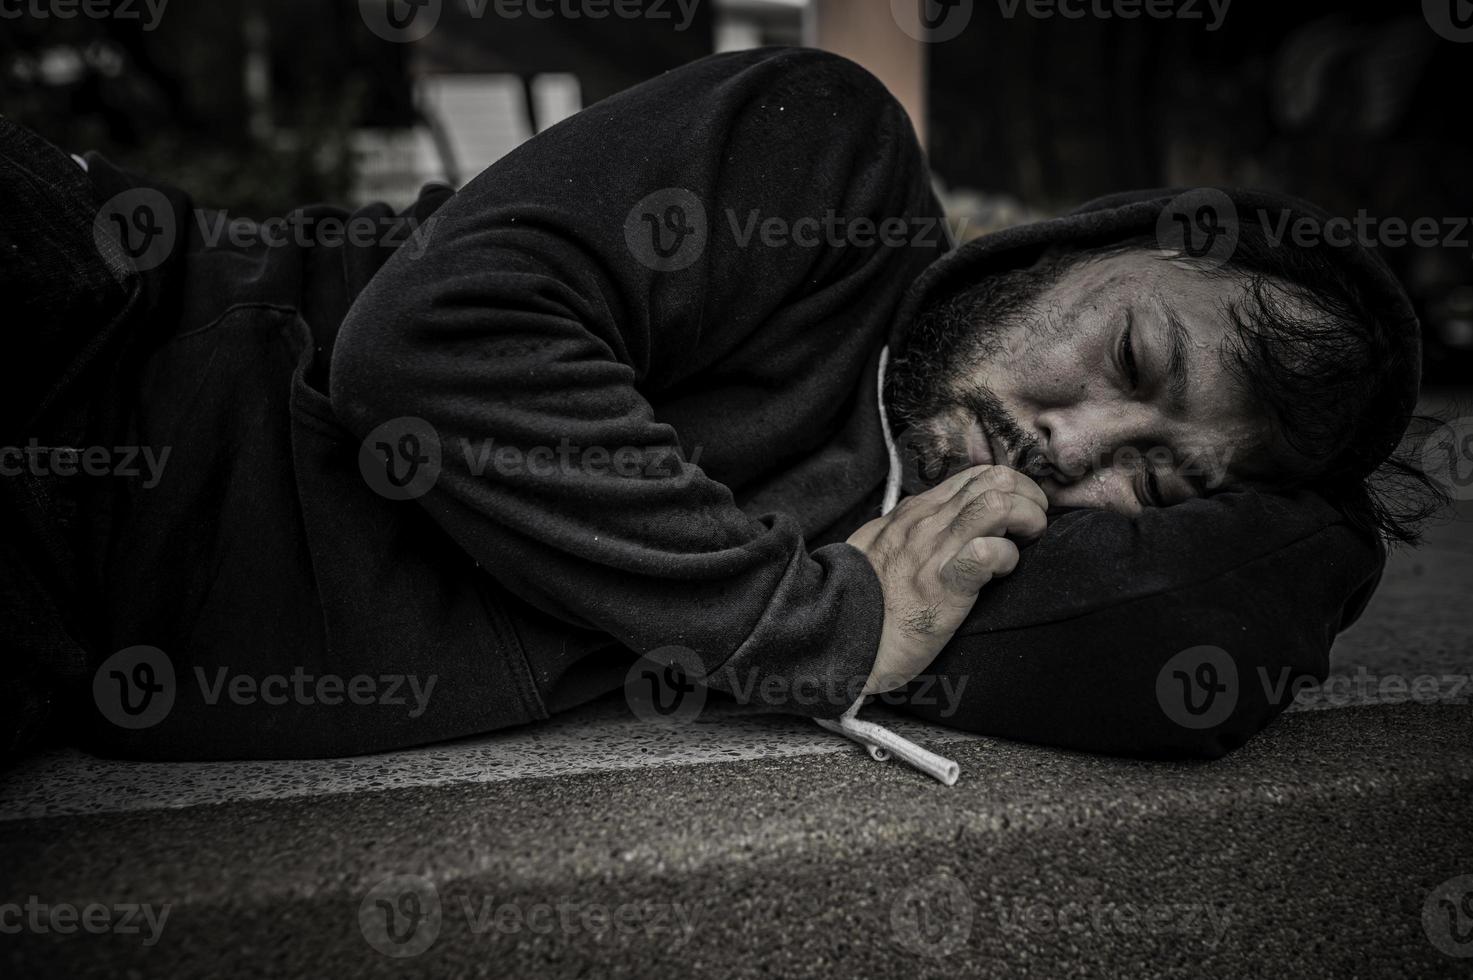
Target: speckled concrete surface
{"x": 1418, "y": 624}
{"x": 602, "y": 736}
{"x": 1313, "y": 852}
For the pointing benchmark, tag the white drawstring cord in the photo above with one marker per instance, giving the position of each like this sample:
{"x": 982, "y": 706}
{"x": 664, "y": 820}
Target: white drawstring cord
{"x": 879, "y": 741}
{"x": 892, "y": 480}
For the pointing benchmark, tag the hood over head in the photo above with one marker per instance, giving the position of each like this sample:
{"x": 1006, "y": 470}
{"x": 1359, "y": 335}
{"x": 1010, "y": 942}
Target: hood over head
{"x": 1162, "y": 211}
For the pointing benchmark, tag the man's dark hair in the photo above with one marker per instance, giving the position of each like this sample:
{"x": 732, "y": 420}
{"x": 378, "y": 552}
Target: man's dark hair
{"x": 1330, "y": 372}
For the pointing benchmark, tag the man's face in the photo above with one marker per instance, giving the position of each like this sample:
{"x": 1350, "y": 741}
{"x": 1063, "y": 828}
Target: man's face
{"x": 1107, "y": 383}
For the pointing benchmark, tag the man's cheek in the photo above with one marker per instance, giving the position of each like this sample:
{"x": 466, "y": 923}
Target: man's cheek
{"x": 928, "y": 453}
{"x": 1099, "y": 490}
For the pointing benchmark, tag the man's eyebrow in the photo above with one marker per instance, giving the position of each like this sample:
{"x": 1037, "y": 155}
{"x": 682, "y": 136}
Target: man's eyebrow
{"x": 1178, "y": 380}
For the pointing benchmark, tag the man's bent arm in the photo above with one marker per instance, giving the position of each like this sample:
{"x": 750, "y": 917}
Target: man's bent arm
{"x": 539, "y": 320}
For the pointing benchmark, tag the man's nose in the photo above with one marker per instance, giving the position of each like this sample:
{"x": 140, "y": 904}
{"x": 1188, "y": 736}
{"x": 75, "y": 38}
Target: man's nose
{"x": 1078, "y": 443}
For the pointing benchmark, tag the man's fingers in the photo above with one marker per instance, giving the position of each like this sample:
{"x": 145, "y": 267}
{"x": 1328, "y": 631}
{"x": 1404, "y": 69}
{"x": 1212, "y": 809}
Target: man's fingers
{"x": 978, "y": 562}
{"x": 993, "y": 513}
{"x": 985, "y": 477}
{"x": 935, "y": 552}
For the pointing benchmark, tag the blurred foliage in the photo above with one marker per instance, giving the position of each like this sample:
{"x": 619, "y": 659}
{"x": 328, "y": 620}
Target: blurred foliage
{"x": 172, "y": 99}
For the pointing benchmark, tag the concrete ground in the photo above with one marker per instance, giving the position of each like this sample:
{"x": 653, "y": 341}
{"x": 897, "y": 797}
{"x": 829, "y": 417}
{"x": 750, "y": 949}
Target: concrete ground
{"x": 1339, "y": 843}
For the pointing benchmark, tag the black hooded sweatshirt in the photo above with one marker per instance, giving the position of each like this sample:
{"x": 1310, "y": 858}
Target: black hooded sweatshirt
{"x": 736, "y": 375}
{"x": 619, "y": 394}
{"x": 696, "y": 433}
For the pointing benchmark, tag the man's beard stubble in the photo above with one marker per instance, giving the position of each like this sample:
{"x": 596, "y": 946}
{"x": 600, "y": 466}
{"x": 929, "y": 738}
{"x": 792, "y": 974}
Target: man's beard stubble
{"x": 933, "y": 377}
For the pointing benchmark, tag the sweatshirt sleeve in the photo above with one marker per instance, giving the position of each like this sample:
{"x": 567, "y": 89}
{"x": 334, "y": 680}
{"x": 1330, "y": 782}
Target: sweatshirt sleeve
{"x": 604, "y": 266}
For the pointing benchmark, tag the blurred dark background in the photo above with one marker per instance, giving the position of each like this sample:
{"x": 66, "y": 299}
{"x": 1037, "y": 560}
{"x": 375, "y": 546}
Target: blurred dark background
{"x": 1355, "y": 107}
{"x": 261, "y": 105}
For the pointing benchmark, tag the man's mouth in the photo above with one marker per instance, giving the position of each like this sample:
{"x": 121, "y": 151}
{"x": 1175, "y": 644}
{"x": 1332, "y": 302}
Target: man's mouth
{"x": 987, "y": 449}
{"x": 1032, "y": 463}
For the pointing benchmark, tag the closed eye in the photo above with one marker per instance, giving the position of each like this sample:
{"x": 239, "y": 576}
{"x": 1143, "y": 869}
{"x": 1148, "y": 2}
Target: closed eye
{"x": 1148, "y": 488}
{"x": 1154, "y": 496}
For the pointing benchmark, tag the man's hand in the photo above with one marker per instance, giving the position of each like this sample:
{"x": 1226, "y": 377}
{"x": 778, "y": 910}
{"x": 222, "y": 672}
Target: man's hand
{"x": 934, "y": 552}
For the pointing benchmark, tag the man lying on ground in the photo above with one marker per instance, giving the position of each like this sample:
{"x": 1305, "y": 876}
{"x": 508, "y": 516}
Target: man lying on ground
{"x": 695, "y": 372}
